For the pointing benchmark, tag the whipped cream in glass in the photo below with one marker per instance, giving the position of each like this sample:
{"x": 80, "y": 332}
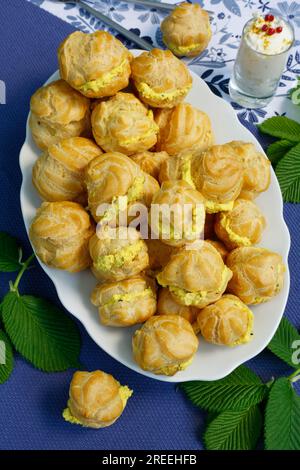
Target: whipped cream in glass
{"x": 260, "y": 61}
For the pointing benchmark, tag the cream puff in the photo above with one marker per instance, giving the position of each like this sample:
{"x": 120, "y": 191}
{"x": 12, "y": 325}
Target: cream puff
{"x": 227, "y": 322}
{"x": 96, "y": 399}
{"x": 183, "y": 128}
{"x": 159, "y": 253}
{"x": 60, "y": 234}
{"x": 58, "y": 112}
{"x": 177, "y": 168}
{"x": 220, "y": 247}
{"x": 257, "y": 169}
{"x": 117, "y": 253}
{"x": 95, "y": 64}
{"x": 58, "y": 174}
{"x": 111, "y": 176}
{"x": 124, "y": 124}
{"x": 186, "y": 30}
{"x": 258, "y": 274}
{"x": 218, "y": 175}
{"x": 196, "y": 277}
{"x": 242, "y": 226}
{"x": 166, "y": 305}
{"x": 165, "y": 344}
{"x": 162, "y": 80}
{"x": 125, "y": 303}
{"x": 150, "y": 162}
{"x": 177, "y": 213}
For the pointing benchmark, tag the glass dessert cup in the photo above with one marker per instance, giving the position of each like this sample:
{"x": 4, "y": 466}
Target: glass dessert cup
{"x": 256, "y": 74}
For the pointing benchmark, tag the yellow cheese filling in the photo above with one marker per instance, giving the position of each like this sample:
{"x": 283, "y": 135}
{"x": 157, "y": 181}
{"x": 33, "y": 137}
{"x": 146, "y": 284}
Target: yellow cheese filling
{"x": 247, "y": 336}
{"x": 99, "y": 83}
{"x": 186, "y": 173}
{"x": 118, "y": 259}
{"x": 153, "y": 129}
{"x": 233, "y": 237}
{"x": 212, "y": 207}
{"x": 182, "y": 50}
{"x": 146, "y": 91}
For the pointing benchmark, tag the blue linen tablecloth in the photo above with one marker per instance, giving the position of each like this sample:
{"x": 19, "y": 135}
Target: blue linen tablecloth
{"x": 158, "y": 416}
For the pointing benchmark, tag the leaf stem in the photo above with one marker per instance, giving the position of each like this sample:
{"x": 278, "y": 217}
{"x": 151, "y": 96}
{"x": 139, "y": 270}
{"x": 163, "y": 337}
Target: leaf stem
{"x": 14, "y": 286}
{"x": 295, "y": 376}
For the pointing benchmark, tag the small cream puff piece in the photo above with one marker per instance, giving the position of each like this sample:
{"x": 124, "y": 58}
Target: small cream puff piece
{"x": 242, "y": 226}
{"x": 183, "y": 128}
{"x": 165, "y": 344}
{"x": 58, "y": 112}
{"x": 125, "y": 303}
{"x": 60, "y": 234}
{"x": 58, "y": 174}
{"x": 118, "y": 253}
{"x": 186, "y": 31}
{"x": 124, "y": 124}
{"x": 227, "y": 322}
{"x": 150, "y": 162}
{"x": 96, "y": 399}
{"x": 181, "y": 213}
{"x": 162, "y": 80}
{"x": 196, "y": 277}
{"x": 258, "y": 274}
{"x": 95, "y": 64}
{"x": 166, "y": 305}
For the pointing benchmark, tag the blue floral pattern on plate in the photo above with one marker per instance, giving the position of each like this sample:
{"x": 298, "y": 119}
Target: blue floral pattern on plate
{"x": 215, "y": 63}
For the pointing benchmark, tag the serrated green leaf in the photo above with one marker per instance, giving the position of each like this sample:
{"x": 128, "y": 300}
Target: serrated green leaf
{"x": 285, "y": 343}
{"x": 9, "y": 253}
{"x": 6, "y": 358}
{"x": 241, "y": 389}
{"x": 281, "y": 127}
{"x": 41, "y": 332}
{"x": 282, "y": 421}
{"x": 288, "y": 174}
{"x": 277, "y": 150}
{"x": 234, "y": 430}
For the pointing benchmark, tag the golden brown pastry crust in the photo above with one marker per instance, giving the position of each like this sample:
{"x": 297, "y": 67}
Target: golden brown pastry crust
{"x": 165, "y": 344}
{"x": 113, "y": 174}
{"x": 125, "y": 303}
{"x": 95, "y": 399}
{"x": 150, "y": 162}
{"x": 257, "y": 169}
{"x": 183, "y": 128}
{"x": 220, "y": 247}
{"x": 159, "y": 253}
{"x": 117, "y": 256}
{"x": 123, "y": 124}
{"x": 186, "y": 31}
{"x": 258, "y": 274}
{"x": 166, "y": 305}
{"x": 185, "y": 222}
{"x": 60, "y": 234}
{"x": 178, "y": 167}
{"x": 227, "y": 322}
{"x": 196, "y": 277}
{"x": 218, "y": 175}
{"x": 242, "y": 226}
{"x": 58, "y": 112}
{"x": 58, "y": 173}
{"x": 161, "y": 79}
{"x": 97, "y": 59}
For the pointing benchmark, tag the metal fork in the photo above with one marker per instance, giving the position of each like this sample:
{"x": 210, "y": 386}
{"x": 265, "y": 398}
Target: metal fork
{"x": 117, "y": 27}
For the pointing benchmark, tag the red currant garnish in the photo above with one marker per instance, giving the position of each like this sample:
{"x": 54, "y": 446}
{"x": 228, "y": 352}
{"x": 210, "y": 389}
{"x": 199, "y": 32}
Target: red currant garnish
{"x": 271, "y": 31}
{"x": 264, "y": 27}
{"x": 279, "y": 29}
{"x": 267, "y": 17}
{"x": 271, "y": 17}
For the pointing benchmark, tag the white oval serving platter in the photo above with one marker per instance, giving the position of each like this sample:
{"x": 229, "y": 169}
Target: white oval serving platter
{"x": 211, "y": 362}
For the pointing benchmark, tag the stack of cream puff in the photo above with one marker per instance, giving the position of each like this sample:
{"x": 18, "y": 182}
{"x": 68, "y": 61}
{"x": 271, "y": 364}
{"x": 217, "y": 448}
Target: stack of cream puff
{"x": 100, "y": 143}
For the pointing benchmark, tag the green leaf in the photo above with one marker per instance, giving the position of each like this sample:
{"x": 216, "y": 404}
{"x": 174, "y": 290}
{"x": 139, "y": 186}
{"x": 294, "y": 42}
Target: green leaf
{"x": 241, "y": 389}
{"x": 282, "y": 421}
{"x": 6, "y": 358}
{"x": 284, "y": 343}
{"x": 234, "y": 430}
{"x": 288, "y": 174}
{"x": 278, "y": 149}
{"x": 281, "y": 127}
{"x": 41, "y": 332}
{"x": 9, "y": 253}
